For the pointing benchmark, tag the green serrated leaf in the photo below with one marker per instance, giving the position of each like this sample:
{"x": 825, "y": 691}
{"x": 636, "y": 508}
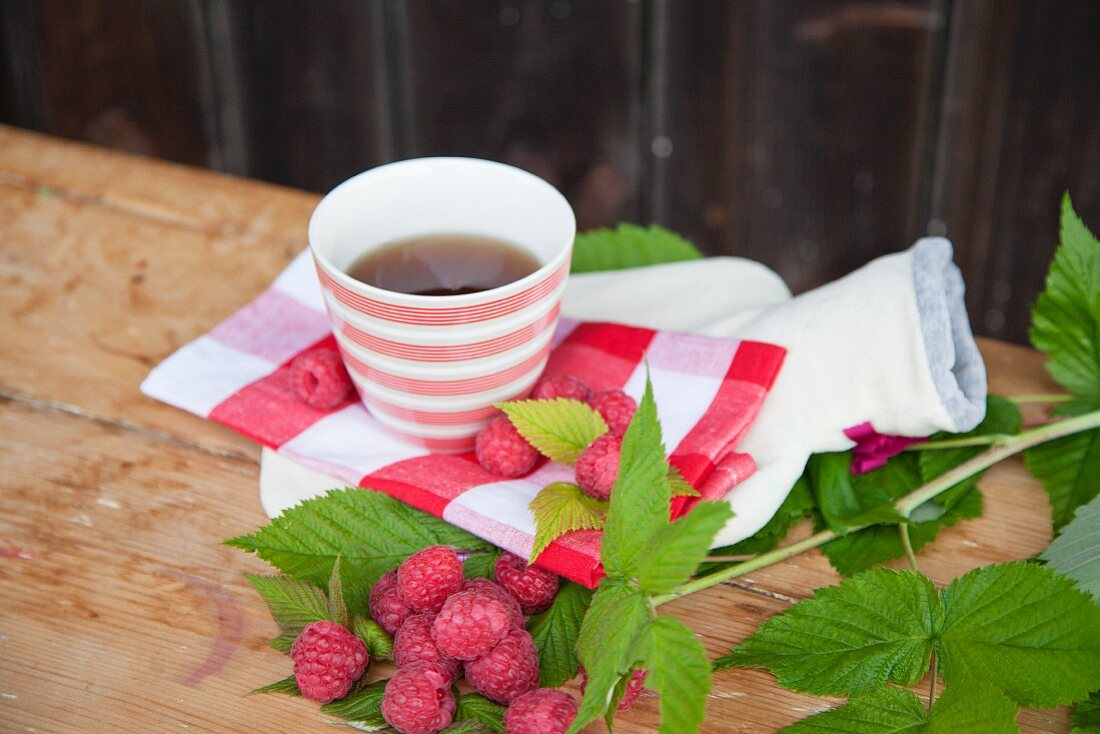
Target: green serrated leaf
{"x": 676, "y": 550}
{"x": 874, "y": 628}
{"x": 606, "y": 645}
{"x": 958, "y": 711}
{"x": 293, "y": 603}
{"x": 640, "y": 497}
{"x": 477, "y": 708}
{"x": 846, "y": 500}
{"x": 679, "y": 672}
{"x": 1024, "y": 629}
{"x": 1076, "y": 551}
{"x": 1069, "y": 468}
{"x": 561, "y": 508}
{"x": 337, "y": 609}
{"x": 629, "y": 246}
{"x": 378, "y": 641}
{"x": 363, "y": 707}
{"x": 286, "y": 686}
{"x": 1065, "y": 323}
{"x": 468, "y": 727}
{"x": 678, "y": 486}
{"x": 284, "y": 642}
{"x": 480, "y": 565}
{"x": 306, "y": 539}
{"x": 1086, "y": 716}
{"x": 555, "y": 632}
{"x": 560, "y": 428}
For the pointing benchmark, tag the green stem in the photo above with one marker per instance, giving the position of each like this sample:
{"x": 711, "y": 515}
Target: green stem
{"x": 1052, "y": 398}
{"x": 932, "y": 686}
{"x": 905, "y": 506}
{"x": 992, "y": 439}
{"x": 907, "y": 544}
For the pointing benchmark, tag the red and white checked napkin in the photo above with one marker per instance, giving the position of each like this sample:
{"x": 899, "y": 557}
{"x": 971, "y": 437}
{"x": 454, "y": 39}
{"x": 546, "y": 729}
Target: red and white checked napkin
{"x": 708, "y": 391}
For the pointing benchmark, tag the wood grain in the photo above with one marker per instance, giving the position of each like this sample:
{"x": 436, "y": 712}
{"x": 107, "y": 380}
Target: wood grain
{"x": 112, "y": 576}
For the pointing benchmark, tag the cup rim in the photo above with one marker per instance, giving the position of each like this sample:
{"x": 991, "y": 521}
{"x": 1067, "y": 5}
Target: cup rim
{"x": 464, "y": 299}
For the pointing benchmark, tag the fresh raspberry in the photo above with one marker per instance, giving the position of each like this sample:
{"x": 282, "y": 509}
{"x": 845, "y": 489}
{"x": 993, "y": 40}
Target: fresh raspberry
{"x": 413, "y": 643}
{"x": 541, "y": 711}
{"x": 488, "y": 588}
{"x": 418, "y": 699}
{"x": 560, "y": 386}
{"x": 428, "y": 577}
{"x": 502, "y": 451}
{"x": 631, "y": 693}
{"x": 509, "y": 670}
{"x": 387, "y": 608}
{"x": 328, "y": 659}
{"x": 616, "y": 407}
{"x": 320, "y": 379}
{"x": 470, "y": 625}
{"x": 533, "y": 587}
{"x": 598, "y": 466}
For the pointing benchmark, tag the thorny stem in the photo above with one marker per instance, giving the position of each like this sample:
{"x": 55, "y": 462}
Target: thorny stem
{"x": 992, "y": 439}
{"x": 932, "y": 686}
{"x": 903, "y": 530}
{"x": 1056, "y": 398}
{"x": 728, "y": 559}
{"x": 905, "y": 506}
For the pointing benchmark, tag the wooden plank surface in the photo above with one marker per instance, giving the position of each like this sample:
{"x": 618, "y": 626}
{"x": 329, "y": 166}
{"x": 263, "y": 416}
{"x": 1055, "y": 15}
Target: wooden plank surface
{"x": 118, "y": 605}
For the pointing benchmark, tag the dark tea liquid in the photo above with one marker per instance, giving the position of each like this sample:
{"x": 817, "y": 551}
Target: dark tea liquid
{"x": 444, "y": 264}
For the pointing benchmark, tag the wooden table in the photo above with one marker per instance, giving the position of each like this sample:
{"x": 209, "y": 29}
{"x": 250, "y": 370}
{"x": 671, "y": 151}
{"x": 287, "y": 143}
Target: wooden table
{"x": 119, "y": 607}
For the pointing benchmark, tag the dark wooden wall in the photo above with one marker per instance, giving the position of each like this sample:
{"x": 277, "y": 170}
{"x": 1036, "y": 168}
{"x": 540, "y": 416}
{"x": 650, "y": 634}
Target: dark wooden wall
{"x": 809, "y": 134}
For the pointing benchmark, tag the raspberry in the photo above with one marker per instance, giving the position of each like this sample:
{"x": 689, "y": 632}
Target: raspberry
{"x": 560, "y": 386}
{"x": 509, "y": 670}
{"x": 616, "y": 407}
{"x": 328, "y": 659}
{"x": 598, "y": 465}
{"x": 418, "y": 699}
{"x": 502, "y": 451}
{"x": 631, "y": 693}
{"x": 428, "y": 577}
{"x": 542, "y": 711}
{"x": 533, "y": 587}
{"x": 319, "y": 378}
{"x": 470, "y": 624}
{"x": 413, "y": 643}
{"x": 488, "y": 588}
{"x": 386, "y": 605}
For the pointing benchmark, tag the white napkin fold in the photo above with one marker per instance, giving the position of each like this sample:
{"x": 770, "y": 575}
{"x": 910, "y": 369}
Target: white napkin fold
{"x": 888, "y": 344}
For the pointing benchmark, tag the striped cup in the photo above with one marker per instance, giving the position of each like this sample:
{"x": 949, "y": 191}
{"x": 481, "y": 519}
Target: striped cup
{"x": 429, "y": 368}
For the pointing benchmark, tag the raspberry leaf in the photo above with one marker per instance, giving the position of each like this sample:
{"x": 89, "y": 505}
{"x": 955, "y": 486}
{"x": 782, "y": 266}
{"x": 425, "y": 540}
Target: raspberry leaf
{"x": 1065, "y": 323}
{"x": 874, "y": 628}
{"x": 560, "y": 428}
{"x": 679, "y": 672}
{"x": 640, "y": 497}
{"x": 676, "y": 550}
{"x": 629, "y": 246}
{"x": 362, "y": 708}
{"x": 293, "y": 603}
{"x": 847, "y": 499}
{"x": 468, "y": 726}
{"x": 475, "y": 707}
{"x": 679, "y": 486}
{"x": 337, "y": 609}
{"x": 560, "y": 508}
{"x": 1023, "y": 629}
{"x": 305, "y": 540}
{"x": 1068, "y": 468}
{"x": 607, "y": 646}
{"x": 378, "y": 641}
{"x": 286, "y": 686}
{"x": 479, "y": 564}
{"x": 555, "y": 631}
{"x": 1076, "y": 552}
{"x": 958, "y": 711}
{"x": 1086, "y": 715}
{"x": 284, "y": 642}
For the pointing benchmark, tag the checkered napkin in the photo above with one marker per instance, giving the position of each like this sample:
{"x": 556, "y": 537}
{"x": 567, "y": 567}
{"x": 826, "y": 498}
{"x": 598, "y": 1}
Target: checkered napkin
{"x": 708, "y": 392}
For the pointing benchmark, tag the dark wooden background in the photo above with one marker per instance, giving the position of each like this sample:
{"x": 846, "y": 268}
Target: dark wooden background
{"x": 810, "y": 134}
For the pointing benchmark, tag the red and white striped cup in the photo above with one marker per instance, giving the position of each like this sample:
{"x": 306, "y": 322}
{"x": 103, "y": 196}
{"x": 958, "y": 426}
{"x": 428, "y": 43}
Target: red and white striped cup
{"x": 429, "y": 368}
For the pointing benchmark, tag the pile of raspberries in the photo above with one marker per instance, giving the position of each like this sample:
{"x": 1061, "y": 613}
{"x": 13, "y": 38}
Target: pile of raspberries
{"x": 501, "y": 450}
{"x": 444, "y": 627}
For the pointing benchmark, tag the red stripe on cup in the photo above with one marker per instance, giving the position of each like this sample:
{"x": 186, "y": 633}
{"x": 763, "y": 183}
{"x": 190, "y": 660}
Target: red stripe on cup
{"x": 454, "y": 315}
{"x": 448, "y": 387}
{"x": 434, "y": 418}
{"x": 451, "y": 352}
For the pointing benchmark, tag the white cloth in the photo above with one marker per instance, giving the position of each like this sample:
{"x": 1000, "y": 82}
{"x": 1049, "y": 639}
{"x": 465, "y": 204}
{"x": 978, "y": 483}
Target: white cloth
{"x": 888, "y": 344}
